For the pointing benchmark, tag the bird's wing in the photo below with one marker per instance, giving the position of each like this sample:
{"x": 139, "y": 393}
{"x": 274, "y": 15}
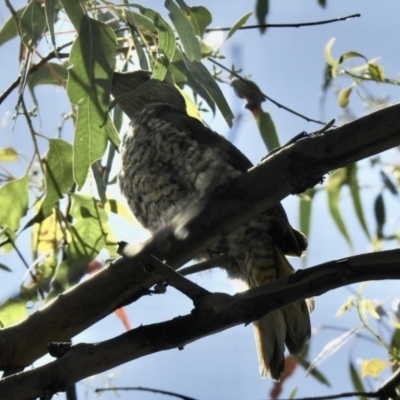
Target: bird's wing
{"x": 288, "y": 239}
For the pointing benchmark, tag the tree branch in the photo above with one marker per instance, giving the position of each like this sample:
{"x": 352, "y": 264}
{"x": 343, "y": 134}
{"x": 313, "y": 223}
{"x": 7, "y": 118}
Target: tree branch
{"x": 290, "y": 170}
{"x": 216, "y": 312}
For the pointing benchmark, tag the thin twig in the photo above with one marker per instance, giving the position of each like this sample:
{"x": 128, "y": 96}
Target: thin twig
{"x": 35, "y": 67}
{"x": 298, "y": 25}
{"x": 342, "y": 395}
{"x": 236, "y": 75}
{"x": 202, "y": 266}
{"x": 180, "y": 396}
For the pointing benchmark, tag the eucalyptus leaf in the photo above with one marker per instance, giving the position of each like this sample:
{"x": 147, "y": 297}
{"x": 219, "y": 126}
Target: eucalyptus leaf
{"x": 185, "y": 31}
{"x": 14, "y": 202}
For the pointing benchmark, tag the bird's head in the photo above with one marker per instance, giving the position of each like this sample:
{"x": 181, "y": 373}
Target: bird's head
{"x": 152, "y": 91}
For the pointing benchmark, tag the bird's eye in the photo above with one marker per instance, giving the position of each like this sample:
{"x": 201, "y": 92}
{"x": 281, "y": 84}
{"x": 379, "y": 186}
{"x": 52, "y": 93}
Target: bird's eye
{"x": 146, "y": 77}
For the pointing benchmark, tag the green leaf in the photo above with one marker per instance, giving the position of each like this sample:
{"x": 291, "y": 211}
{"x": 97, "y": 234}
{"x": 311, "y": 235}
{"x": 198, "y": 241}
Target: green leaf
{"x": 8, "y": 154}
{"x": 376, "y": 72}
{"x": 138, "y": 46}
{"x": 357, "y": 383}
{"x": 238, "y": 24}
{"x": 389, "y": 184}
{"x": 314, "y": 372}
{"x": 380, "y": 215}
{"x": 198, "y": 16}
{"x": 14, "y": 202}
{"x": 50, "y": 13}
{"x": 88, "y": 236}
{"x": 92, "y": 57}
{"x": 58, "y": 175}
{"x": 11, "y": 311}
{"x": 267, "y": 130}
{"x": 32, "y": 24}
{"x": 9, "y": 30}
{"x": 5, "y": 268}
{"x": 355, "y": 195}
{"x": 333, "y": 188}
{"x": 203, "y": 76}
{"x": 322, "y": 3}
{"x": 305, "y": 210}
{"x": 262, "y": 7}
{"x": 49, "y": 74}
{"x": 185, "y": 31}
{"x": 166, "y": 43}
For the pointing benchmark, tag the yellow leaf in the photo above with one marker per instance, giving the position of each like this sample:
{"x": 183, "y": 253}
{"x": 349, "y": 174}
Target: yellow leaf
{"x": 191, "y": 108}
{"x": 327, "y": 52}
{"x": 343, "y": 97}
{"x": 118, "y": 208}
{"x": 8, "y": 154}
{"x": 371, "y": 309}
{"x": 372, "y": 367}
{"x": 345, "y": 306}
{"x": 394, "y": 324}
{"x": 47, "y": 234}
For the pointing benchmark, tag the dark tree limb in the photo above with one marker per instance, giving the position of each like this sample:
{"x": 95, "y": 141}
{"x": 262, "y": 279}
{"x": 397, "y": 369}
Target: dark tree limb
{"x": 216, "y": 312}
{"x": 290, "y": 170}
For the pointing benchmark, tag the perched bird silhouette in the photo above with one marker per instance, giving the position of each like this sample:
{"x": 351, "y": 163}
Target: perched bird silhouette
{"x": 170, "y": 161}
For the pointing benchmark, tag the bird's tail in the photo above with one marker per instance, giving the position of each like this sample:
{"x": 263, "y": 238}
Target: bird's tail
{"x": 288, "y": 326}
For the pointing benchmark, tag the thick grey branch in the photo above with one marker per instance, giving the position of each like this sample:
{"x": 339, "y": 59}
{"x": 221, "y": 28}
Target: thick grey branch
{"x": 215, "y": 313}
{"x": 287, "y": 171}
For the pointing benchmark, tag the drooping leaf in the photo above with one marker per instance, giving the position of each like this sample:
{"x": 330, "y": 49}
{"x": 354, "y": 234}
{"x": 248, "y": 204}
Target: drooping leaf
{"x": 198, "y": 16}
{"x": 135, "y": 37}
{"x": 92, "y": 57}
{"x": 343, "y": 96}
{"x": 50, "y": 13}
{"x": 389, "y": 184}
{"x": 238, "y": 24}
{"x": 322, "y": 3}
{"x": 14, "y": 202}
{"x": 262, "y": 7}
{"x": 166, "y": 42}
{"x": 8, "y": 154}
{"x": 305, "y": 210}
{"x": 178, "y": 68}
{"x": 46, "y": 235}
{"x": 380, "y": 215}
{"x": 58, "y": 177}
{"x": 87, "y": 237}
{"x": 5, "y": 268}
{"x": 32, "y": 24}
{"x": 267, "y": 130}
{"x": 9, "y": 30}
{"x": 332, "y": 347}
{"x": 357, "y": 383}
{"x": 355, "y": 195}
{"x": 118, "y": 208}
{"x": 328, "y": 52}
{"x": 318, "y": 375}
{"x": 185, "y": 31}
{"x": 333, "y": 187}
{"x": 346, "y": 306}
{"x": 49, "y": 74}
{"x": 376, "y": 72}
{"x": 203, "y": 76}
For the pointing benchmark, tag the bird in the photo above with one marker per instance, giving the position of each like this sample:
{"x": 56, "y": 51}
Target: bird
{"x": 170, "y": 161}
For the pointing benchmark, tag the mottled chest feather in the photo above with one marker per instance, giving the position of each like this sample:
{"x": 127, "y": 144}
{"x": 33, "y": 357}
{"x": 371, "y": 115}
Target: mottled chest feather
{"x": 164, "y": 169}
